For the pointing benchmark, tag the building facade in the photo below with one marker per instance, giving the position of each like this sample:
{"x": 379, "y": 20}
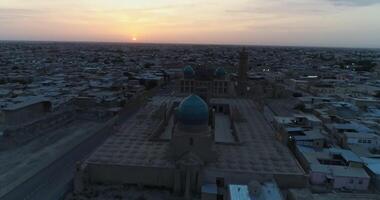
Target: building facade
{"x": 204, "y": 82}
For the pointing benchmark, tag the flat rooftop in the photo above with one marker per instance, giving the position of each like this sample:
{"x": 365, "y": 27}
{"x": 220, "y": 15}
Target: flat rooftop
{"x": 131, "y": 145}
{"x": 257, "y": 151}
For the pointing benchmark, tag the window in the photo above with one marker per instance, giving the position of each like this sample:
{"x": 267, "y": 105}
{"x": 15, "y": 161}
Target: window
{"x": 352, "y": 181}
{"x": 191, "y": 141}
{"x": 360, "y": 182}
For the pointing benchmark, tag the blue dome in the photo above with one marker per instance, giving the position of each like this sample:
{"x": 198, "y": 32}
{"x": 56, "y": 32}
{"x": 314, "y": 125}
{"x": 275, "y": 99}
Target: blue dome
{"x": 193, "y": 111}
{"x": 220, "y": 72}
{"x": 188, "y": 72}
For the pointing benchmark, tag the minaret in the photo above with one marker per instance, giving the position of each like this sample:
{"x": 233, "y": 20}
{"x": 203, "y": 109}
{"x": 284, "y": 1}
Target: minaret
{"x": 243, "y": 68}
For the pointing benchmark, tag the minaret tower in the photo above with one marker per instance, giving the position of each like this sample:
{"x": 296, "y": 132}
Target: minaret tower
{"x": 243, "y": 68}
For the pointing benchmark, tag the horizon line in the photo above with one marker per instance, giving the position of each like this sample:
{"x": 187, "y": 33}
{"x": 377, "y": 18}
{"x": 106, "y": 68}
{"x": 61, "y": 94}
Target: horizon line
{"x": 184, "y": 43}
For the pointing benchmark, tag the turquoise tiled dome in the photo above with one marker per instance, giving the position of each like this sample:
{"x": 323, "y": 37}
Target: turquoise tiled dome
{"x": 193, "y": 111}
{"x": 188, "y": 72}
{"x": 220, "y": 72}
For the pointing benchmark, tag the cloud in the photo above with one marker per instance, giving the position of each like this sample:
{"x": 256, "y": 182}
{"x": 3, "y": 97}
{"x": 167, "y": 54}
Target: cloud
{"x": 354, "y": 2}
{"x": 16, "y": 13}
{"x": 297, "y": 7}
{"x": 280, "y": 8}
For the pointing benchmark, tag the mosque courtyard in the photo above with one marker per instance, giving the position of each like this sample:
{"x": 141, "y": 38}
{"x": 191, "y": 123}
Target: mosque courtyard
{"x": 245, "y": 146}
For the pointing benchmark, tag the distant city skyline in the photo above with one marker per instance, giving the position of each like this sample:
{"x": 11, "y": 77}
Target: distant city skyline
{"x": 326, "y": 23}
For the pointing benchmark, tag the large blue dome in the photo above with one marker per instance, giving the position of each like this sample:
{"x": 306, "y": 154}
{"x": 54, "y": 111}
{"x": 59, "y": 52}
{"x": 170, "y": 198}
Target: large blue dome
{"x": 188, "y": 72}
{"x": 220, "y": 72}
{"x": 193, "y": 111}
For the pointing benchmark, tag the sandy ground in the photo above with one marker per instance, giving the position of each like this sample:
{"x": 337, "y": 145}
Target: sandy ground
{"x": 19, "y": 164}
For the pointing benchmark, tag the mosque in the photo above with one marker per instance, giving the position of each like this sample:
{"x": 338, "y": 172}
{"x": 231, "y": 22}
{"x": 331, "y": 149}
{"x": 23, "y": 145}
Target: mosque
{"x": 204, "y": 82}
{"x": 208, "y": 82}
{"x": 191, "y": 144}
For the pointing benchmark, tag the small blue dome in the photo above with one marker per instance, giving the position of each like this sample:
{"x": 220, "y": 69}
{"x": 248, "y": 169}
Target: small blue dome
{"x": 193, "y": 111}
{"x": 220, "y": 72}
{"x": 188, "y": 72}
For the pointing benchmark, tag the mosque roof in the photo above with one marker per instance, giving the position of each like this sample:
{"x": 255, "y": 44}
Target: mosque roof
{"x": 220, "y": 72}
{"x": 193, "y": 111}
{"x": 188, "y": 72}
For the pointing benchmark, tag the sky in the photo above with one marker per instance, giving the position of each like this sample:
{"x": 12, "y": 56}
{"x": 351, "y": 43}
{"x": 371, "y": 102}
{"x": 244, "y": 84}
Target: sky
{"x": 335, "y": 23}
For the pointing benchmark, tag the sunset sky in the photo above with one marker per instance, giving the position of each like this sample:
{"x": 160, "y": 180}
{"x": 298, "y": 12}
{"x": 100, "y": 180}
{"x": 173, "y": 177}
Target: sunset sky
{"x": 345, "y": 23}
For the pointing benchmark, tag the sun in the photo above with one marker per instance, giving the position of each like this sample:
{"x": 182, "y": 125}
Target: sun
{"x": 134, "y": 39}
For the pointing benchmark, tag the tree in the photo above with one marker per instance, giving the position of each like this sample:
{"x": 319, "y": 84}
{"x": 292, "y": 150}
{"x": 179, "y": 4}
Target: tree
{"x": 300, "y": 107}
{"x": 377, "y": 95}
{"x": 149, "y": 84}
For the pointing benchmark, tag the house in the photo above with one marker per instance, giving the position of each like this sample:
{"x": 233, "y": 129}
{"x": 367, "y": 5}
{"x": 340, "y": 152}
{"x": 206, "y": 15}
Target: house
{"x": 372, "y": 166}
{"x": 24, "y": 110}
{"x": 311, "y": 138}
{"x": 298, "y": 125}
{"x": 333, "y": 168}
{"x": 367, "y": 140}
{"x": 353, "y": 133}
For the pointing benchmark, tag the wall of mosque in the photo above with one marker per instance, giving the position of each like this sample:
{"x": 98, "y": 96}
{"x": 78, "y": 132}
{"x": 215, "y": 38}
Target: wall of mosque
{"x": 22, "y": 134}
{"x": 149, "y": 176}
{"x": 233, "y": 177}
{"x": 25, "y": 114}
{"x": 216, "y": 88}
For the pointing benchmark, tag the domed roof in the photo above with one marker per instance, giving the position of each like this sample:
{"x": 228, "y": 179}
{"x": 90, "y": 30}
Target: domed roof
{"x": 193, "y": 111}
{"x": 220, "y": 72}
{"x": 188, "y": 72}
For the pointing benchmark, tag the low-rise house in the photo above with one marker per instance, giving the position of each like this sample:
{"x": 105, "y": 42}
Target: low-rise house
{"x": 311, "y": 102}
{"x": 298, "y": 125}
{"x": 312, "y": 138}
{"x": 297, "y": 120}
{"x": 368, "y": 140}
{"x": 322, "y": 89}
{"x": 372, "y": 166}
{"x": 23, "y": 110}
{"x": 343, "y": 109}
{"x": 333, "y": 168}
{"x": 365, "y": 102}
{"x": 353, "y": 133}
